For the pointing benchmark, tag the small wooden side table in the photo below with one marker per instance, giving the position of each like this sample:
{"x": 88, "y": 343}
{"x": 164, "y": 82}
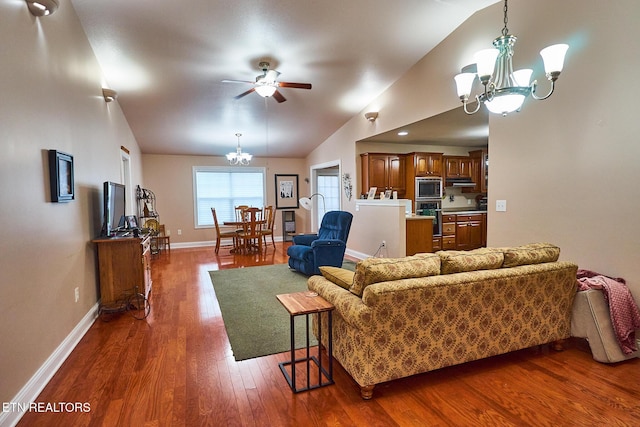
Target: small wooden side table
{"x": 307, "y": 303}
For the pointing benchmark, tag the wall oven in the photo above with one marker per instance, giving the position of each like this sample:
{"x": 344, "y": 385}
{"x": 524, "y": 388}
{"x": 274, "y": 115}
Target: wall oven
{"x": 431, "y": 207}
{"x": 428, "y": 188}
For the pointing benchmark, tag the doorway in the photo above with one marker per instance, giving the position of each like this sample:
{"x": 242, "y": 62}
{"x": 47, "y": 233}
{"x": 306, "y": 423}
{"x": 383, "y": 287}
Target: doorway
{"x": 325, "y": 180}
{"x": 125, "y": 178}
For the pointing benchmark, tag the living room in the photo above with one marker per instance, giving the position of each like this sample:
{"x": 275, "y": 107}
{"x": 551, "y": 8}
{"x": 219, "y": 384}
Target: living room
{"x": 567, "y": 166}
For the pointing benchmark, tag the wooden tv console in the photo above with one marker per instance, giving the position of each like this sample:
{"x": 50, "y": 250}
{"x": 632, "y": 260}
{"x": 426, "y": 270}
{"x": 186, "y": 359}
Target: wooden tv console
{"x": 124, "y": 264}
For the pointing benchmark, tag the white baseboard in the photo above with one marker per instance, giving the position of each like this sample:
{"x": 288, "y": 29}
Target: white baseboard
{"x": 357, "y": 255}
{"x": 31, "y": 390}
{"x": 203, "y": 243}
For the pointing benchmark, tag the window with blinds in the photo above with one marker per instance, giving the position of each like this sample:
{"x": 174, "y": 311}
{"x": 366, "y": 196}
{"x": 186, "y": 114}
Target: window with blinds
{"x": 224, "y": 188}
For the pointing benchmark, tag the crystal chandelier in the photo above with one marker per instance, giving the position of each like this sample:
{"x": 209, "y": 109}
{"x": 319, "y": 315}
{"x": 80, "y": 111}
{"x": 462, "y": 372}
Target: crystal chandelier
{"x": 508, "y": 90}
{"x": 239, "y": 158}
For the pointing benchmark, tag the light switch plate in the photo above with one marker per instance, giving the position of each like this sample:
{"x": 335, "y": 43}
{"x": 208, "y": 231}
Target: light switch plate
{"x": 501, "y": 205}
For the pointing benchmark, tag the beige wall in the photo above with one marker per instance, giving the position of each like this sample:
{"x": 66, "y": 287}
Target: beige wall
{"x": 51, "y": 99}
{"x": 171, "y": 179}
{"x": 567, "y": 166}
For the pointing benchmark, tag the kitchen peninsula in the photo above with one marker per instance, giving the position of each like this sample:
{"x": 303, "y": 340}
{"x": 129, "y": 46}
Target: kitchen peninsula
{"x": 392, "y": 222}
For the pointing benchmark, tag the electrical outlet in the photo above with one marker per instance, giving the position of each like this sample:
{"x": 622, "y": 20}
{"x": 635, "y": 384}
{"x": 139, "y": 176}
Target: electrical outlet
{"x": 179, "y": 232}
{"x": 168, "y": 232}
{"x": 77, "y": 293}
{"x": 501, "y": 205}
{"x": 468, "y": 201}
{"x": 383, "y": 244}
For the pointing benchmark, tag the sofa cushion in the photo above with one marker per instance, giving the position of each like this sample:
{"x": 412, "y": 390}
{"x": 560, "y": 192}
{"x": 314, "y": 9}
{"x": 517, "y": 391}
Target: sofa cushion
{"x": 534, "y": 253}
{"x": 340, "y": 276}
{"x": 375, "y": 270}
{"x": 477, "y": 259}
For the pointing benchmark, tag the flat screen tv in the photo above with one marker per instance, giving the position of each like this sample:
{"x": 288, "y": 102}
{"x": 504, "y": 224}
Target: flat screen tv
{"x": 114, "y": 203}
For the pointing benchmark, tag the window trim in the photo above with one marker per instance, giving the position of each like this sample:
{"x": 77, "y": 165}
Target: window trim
{"x": 247, "y": 169}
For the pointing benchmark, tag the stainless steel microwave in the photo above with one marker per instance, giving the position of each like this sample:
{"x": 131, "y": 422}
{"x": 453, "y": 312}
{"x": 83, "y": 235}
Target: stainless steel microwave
{"x": 428, "y": 188}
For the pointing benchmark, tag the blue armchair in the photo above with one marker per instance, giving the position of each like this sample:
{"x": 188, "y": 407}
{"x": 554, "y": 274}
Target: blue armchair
{"x": 310, "y": 251}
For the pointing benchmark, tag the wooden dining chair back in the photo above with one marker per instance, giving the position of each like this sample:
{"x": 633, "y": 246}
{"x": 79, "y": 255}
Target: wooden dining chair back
{"x": 162, "y": 239}
{"x": 240, "y": 212}
{"x": 252, "y": 229}
{"x": 222, "y": 234}
{"x": 269, "y": 216}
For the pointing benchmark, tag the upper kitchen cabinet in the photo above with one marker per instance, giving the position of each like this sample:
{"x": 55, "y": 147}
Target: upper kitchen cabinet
{"x": 480, "y": 171}
{"x": 427, "y": 164}
{"x": 384, "y": 171}
{"x": 458, "y": 167}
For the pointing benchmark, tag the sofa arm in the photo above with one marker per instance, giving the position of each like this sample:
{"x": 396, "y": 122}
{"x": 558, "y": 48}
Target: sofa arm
{"x": 304, "y": 239}
{"x": 591, "y": 319}
{"x": 349, "y": 306}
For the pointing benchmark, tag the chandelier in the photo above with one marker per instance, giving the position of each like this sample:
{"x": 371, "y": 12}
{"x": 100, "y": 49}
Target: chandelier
{"x": 239, "y": 158}
{"x": 508, "y": 90}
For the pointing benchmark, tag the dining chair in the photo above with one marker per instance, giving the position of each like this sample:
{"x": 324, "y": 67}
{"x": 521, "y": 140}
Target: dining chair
{"x": 251, "y": 229}
{"x": 162, "y": 240}
{"x": 269, "y": 217}
{"x": 222, "y": 234}
{"x": 239, "y": 212}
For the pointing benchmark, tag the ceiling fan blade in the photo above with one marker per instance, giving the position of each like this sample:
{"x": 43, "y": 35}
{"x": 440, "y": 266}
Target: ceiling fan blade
{"x": 295, "y": 85}
{"x": 278, "y": 96}
{"x": 245, "y": 93}
{"x": 236, "y": 81}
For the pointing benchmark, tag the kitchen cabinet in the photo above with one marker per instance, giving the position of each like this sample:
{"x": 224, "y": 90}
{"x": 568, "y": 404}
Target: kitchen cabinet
{"x": 469, "y": 234}
{"x": 419, "y": 235}
{"x": 448, "y": 231}
{"x": 479, "y": 171}
{"x": 457, "y": 166}
{"x": 384, "y": 171}
{"x": 464, "y": 232}
{"x": 428, "y": 164}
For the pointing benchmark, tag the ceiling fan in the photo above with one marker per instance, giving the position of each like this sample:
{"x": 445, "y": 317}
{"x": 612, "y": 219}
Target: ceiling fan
{"x": 266, "y": 84}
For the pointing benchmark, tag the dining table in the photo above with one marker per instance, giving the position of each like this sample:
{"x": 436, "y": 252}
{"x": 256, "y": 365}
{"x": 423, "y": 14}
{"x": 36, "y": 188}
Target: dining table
{"x": 239, "y": 247}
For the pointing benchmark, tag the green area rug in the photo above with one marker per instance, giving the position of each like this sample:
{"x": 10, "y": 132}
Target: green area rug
{"x": 256, "y": 323}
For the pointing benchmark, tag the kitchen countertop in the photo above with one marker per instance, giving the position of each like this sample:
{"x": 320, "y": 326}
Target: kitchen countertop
{"x": 462, "y": 211}
{"x": 414, "y": 216}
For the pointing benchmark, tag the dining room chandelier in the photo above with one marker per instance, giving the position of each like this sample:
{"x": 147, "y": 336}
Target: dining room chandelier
{"x": 239, "y": 158}
{"x": 508, "y": 90}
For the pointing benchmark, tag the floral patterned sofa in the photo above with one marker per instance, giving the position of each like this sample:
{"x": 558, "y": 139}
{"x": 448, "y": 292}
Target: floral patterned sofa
{"x": 397, "y": 317}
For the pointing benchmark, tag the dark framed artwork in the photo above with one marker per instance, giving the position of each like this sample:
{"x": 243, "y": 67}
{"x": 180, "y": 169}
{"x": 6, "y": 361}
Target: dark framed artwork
{"x": 287, "y": 192}
{"x": 61, "y": 176}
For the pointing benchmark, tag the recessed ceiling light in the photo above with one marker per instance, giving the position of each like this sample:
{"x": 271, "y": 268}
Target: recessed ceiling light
{"x": 403, "y": 133}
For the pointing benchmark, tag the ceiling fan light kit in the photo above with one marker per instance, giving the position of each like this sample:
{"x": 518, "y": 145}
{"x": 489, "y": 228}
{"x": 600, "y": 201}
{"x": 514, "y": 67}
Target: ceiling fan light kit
{"x": 42, "y": 7}
{"x": 508, "y": 90}
{"x": 266, "y": 84}
{"x": 239, "y": 158}
{"x": 265, "y": 90}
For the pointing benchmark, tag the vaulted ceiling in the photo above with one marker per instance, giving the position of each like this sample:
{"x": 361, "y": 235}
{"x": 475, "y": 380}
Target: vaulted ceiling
{"x": 168, "y": 59}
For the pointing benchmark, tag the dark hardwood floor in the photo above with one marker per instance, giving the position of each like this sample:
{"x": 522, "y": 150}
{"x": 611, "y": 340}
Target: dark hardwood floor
{"x": 176, "y": 369}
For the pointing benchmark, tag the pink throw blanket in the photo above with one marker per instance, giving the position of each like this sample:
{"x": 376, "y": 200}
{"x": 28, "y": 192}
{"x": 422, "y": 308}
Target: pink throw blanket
{"x": 625, "y": 315}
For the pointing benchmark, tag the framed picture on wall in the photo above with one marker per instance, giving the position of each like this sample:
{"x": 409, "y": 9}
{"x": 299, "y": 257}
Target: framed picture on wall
{"x": 287, "y": 192}
{"x": 61, "y": 176}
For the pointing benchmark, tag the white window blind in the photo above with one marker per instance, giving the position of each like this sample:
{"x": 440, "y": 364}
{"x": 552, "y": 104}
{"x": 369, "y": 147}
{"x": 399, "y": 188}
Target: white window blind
{"x": 329, "y": 187}
{"x": 224, "y": 188}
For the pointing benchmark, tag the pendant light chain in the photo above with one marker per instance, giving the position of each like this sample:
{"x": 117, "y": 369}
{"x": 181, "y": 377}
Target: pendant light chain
{"x": 505, "y": 30}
